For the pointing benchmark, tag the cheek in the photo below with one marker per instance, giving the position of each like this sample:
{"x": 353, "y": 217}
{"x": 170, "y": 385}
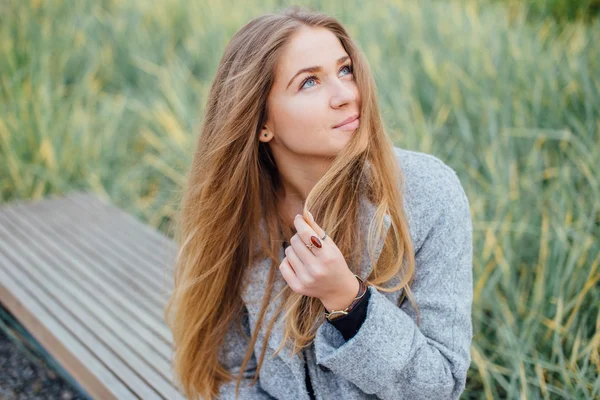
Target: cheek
{"x": 303, "y": 117}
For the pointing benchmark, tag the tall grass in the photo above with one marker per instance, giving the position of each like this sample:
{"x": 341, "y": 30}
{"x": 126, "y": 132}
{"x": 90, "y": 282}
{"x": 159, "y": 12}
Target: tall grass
{"x": 560, "y": 10}
{"x": 108, "y": 95}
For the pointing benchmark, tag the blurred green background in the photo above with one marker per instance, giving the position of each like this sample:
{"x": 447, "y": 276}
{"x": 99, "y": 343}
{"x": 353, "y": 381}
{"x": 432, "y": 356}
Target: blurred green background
{"x": 107, "y": 96}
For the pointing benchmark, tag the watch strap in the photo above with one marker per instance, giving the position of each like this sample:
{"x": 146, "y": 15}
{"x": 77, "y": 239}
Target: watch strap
{"x": 339, "y": 313}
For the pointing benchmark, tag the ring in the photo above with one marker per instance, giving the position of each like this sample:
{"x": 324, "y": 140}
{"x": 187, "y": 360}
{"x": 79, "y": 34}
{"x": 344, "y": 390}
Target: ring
{"x": 311, "y": 245}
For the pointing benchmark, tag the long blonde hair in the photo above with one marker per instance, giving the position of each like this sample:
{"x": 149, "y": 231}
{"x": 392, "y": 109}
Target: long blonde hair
{"x": 232, "y": 186}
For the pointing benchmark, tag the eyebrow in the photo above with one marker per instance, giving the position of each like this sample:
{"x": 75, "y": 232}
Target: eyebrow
{"x": 314, "y": 69}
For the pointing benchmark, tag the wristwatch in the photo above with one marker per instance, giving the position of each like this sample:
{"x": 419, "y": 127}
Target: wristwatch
{"x": 339, "y": 313}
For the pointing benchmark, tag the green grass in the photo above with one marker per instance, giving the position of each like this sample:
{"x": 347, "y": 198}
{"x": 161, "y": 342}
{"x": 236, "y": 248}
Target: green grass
{"x": 560, "y": 10}
{"x": 108, "y": 95}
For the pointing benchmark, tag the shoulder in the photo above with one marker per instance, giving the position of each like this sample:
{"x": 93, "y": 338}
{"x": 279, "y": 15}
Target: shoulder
{"x": 427, "y": 178}
{"x": 431, "y": 189}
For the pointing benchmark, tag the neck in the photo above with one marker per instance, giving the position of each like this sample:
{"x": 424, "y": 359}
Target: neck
{"x": 298, "y": 174}
{"x": 288, "y": 208}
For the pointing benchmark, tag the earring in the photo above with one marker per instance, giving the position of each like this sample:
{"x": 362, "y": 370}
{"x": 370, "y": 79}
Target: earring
{"x": 265, "y": 134}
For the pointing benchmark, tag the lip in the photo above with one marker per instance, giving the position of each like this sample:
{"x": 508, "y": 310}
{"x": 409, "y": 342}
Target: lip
{"x": 346, "y": 121}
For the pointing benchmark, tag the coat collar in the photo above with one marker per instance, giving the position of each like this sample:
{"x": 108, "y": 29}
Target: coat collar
{"x": 254, "y": 290}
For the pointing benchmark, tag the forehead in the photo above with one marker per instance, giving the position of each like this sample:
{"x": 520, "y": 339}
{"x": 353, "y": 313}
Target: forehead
{"x": 307, "y": 48}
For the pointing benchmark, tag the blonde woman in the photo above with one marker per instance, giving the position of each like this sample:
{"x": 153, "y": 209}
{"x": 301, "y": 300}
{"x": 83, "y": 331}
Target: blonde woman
{"x": 317, "y": 260}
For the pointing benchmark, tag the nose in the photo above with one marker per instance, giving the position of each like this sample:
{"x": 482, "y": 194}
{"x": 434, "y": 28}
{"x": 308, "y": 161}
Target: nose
{"x": 343, "y": 92}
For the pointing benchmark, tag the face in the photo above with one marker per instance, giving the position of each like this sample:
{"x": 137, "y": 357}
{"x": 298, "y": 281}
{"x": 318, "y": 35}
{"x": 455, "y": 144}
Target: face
{"x": 306, "y": 106}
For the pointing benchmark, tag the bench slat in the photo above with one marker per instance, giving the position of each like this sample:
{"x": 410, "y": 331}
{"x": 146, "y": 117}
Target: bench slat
{"x": 59, "y": 341}
{"x": 94, "y": 204}
{"x": 98, "y": 269}
{"x": 90, "y": 282}
{"x": 86, "y": 240}
{"x": 59, "y": 279}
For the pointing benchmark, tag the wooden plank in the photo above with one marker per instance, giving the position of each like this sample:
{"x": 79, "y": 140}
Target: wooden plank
{"x": 77, "y": 359}
{"x": 164, "y": 245}
{"x": 82, "y": 231}
{"x": 76, "y": 296}
{"x": 124, "y": 229}
{"x": 89, "y": 279}
{"x": 98, "y": 280}
{"x": 87, "y": 234}
{"x": 90, "y": 332}
{"x": 99, "y": 270}
{"x": 154, "y": 255}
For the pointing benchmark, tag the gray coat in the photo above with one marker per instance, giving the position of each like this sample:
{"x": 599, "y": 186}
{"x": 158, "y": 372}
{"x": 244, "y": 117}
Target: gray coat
{"x": 389, "y": 357}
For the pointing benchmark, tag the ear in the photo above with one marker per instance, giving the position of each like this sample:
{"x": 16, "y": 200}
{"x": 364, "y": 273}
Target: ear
{"x": 265, "y": 134}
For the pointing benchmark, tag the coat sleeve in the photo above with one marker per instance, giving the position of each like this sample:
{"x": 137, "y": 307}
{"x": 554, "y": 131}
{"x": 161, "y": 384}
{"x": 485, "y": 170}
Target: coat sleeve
{"x": 234, "y": 349}
{"x": 390, "y": 356}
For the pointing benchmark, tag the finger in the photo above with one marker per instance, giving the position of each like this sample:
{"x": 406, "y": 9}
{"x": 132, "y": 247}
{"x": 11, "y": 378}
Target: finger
{"x": 288, "y": 274}
{"x": 300, "y": 269}
{"x": 305, "y": 231}
{"x": 311, "y": 221}
{"x": 304, "y": 253}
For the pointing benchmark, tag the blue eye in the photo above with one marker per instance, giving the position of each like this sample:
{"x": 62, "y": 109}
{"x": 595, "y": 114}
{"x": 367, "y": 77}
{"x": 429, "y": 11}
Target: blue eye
{"x": 310, "y": 78}
{"x": 313, "y": 77}
{"x": 349, "y": 68}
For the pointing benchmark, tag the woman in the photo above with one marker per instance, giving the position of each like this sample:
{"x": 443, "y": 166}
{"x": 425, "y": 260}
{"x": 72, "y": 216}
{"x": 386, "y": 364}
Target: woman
{"x": 273, "y": 301}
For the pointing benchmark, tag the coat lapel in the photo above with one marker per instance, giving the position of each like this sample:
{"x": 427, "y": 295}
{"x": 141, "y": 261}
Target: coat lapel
{"x": 257, "y": 282}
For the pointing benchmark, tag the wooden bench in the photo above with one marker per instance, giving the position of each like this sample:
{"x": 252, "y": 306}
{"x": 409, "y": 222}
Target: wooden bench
{"x": 90, "y": 282}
